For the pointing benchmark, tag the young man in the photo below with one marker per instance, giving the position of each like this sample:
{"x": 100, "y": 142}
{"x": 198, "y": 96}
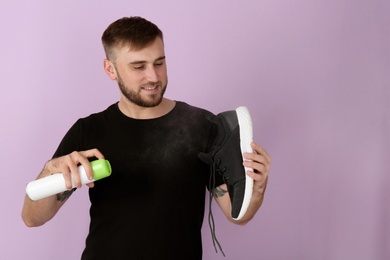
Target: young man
{"x": 152, "y": 205}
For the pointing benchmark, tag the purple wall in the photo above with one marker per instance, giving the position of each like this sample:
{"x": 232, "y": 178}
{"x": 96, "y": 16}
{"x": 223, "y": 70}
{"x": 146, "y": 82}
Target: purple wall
{"x": 314, "y": 74}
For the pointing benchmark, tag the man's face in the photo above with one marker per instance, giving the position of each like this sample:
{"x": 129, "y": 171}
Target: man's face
{"x": 142, "y": 75}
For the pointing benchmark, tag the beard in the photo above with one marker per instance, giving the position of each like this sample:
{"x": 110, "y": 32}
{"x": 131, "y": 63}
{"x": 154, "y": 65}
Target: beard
{"x": 137, "y": 99}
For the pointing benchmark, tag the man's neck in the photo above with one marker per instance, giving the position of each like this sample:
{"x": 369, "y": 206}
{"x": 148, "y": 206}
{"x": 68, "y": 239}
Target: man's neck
{"x": 134, "y": 111}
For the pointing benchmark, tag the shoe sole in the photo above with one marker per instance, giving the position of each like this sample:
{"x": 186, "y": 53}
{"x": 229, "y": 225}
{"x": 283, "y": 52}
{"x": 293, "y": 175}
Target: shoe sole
{"x": 246, "y": 138}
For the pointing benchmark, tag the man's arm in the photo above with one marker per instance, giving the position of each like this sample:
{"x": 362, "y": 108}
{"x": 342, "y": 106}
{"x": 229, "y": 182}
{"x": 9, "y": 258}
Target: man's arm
{"x": 37, "y": 213}
{"x": 260, "y": 162}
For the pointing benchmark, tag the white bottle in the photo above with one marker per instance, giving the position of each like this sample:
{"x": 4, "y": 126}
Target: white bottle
{"x": 54, "y": 184}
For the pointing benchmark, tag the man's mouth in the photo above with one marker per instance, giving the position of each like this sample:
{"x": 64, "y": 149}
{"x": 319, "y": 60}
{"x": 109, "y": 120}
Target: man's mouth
{"x": 150, "y": 87}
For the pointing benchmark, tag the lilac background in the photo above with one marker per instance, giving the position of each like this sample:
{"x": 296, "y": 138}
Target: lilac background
{"x": 314, "y": 74}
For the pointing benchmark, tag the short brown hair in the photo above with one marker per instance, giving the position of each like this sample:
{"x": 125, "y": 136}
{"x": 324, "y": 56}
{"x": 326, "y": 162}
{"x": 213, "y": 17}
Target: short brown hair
{"x": 133, "y": 32}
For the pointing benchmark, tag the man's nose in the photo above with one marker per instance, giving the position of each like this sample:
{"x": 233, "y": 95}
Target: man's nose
{"x": 151, "y": 74}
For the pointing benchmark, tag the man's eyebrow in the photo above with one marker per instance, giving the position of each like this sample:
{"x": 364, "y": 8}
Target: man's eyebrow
{"x": 161, "y": 58}
{"x": 144, "y": 61}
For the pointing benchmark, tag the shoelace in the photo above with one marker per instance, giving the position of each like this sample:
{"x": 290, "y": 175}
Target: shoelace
{"x": 214, "y": 168}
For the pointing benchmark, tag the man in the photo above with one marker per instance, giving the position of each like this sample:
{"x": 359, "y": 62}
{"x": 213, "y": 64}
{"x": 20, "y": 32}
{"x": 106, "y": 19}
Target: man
{"x": 152, "y": 205}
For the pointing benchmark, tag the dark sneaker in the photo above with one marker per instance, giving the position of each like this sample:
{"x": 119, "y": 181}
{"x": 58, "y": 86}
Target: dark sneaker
{"x": 234, "y": 136}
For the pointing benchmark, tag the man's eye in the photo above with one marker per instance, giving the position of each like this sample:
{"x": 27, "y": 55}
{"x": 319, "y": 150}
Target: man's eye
{"x": 158, "y": 64}
{"x": 139, "y": 67}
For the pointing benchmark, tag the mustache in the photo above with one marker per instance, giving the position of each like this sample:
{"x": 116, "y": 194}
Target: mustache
{"x": 151, "y": 83}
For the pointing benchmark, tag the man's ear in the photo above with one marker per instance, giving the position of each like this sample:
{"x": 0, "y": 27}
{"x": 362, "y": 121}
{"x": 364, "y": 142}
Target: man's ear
{"x": 109, "y": 68}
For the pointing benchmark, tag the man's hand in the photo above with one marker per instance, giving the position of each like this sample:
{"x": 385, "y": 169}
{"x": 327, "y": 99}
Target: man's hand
{"x": 260, "y": 162}
{"x": 67, "y": 165}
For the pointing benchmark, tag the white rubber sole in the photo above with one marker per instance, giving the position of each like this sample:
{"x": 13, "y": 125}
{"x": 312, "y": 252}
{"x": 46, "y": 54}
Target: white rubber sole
{"x": 246, "y": 137}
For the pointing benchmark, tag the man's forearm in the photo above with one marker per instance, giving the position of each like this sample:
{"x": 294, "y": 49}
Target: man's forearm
{"x": 37, "y": 213}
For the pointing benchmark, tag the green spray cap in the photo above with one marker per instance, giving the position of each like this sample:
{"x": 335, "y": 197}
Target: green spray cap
{"x": 101, "y": 169}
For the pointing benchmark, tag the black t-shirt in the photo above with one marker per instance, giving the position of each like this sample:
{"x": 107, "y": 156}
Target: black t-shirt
{"x": 152, "y": 205}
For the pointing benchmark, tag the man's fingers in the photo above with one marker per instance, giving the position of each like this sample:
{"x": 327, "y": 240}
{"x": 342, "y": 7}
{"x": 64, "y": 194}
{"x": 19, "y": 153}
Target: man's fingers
{"x": 259, "y": 160}
{"x": 260, "y": 150}
{"x": 82, "y": 158}
{"x": 68, "y": 166}
{"x": 92, "y": 153}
